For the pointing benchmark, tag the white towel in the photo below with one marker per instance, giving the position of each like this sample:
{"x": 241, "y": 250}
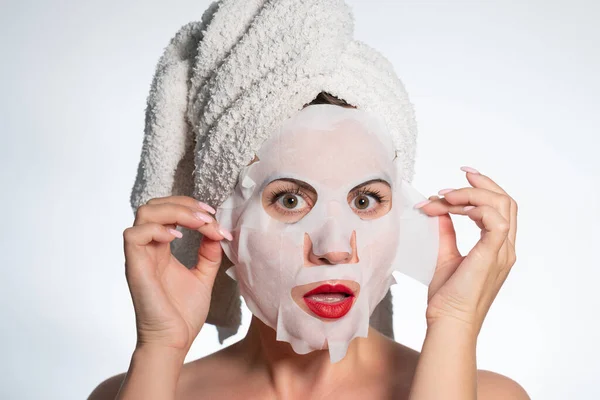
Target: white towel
{"x": 224, "y": 83}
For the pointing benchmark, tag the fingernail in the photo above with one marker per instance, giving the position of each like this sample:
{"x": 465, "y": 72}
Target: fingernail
{"x": 469, "y": 169}
{"x": 467, "y": 208}
{"x": 225, "y": 233}
{"x": 176, "y": 233}
{"x": 203, "y": 217}
{"x": 206, "y": 207}
{"x": 421, "y": 204}
{"x": 444, "y": 191}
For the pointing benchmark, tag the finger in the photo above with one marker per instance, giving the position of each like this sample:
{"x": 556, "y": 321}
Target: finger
{"x": 143, "y": 234}
{"x": 447, "y": 247}
{"x": 171, "y": 213}
{"x": 184, "y": 201}
{"x": 512, "y": 233}
{"x": 495, "y": 228}
{"x": 210, "y": 255}
{"x": 479, "y": 197}
{"x": 440, "y": 206}
{"x": 485, "y": 182}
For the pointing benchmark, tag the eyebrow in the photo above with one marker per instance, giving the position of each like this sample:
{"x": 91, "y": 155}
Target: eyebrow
{"x": 306, "y": 186}
{"x": 302, "y": 184}
{"x": 368, "y": 183}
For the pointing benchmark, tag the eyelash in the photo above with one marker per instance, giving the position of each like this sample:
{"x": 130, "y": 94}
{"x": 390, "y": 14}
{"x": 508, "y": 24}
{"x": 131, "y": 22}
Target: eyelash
{"x": 373, "y": 193}
{"x": 275, "y": 195}
{"x": 376, "y": 194}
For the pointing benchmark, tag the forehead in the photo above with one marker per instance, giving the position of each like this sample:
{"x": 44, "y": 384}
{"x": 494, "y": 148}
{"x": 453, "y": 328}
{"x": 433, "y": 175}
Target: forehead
{"x": 334, "y": 149}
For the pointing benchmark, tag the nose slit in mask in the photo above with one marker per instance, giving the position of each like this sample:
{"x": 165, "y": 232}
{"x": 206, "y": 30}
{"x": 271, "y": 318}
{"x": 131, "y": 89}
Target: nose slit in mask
{"x": 330, "y": 246}
{"x": 331, "y": 238}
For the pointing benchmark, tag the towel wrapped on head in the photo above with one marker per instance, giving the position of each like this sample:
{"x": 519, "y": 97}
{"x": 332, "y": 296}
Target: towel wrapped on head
{"x": 224, "y": 83}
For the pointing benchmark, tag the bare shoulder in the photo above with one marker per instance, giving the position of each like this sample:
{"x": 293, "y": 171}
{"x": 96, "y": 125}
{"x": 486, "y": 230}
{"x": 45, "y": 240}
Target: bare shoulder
{"x": 219, "y": 369}
{"x": 490, "y": 385}
{"x": 108, "y": 389}
{"x": 493, "y": 386}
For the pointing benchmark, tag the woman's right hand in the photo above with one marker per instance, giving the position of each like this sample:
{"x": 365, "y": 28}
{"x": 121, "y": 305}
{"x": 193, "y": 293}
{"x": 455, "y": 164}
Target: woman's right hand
{"x": 171, "y": 302}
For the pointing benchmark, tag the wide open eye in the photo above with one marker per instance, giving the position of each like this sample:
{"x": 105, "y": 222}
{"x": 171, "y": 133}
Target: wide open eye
{"x": 288, "y": 200}
{"x": 365, "y": 202}
{"x": 371, "y": 199}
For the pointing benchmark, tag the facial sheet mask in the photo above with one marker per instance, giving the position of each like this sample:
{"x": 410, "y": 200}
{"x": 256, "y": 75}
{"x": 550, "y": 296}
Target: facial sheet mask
{"x": 333, "y": 149}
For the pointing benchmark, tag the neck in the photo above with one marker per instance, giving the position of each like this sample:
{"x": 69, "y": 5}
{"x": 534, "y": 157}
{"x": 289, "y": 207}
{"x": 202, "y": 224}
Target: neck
{"x": 290, "y": 372}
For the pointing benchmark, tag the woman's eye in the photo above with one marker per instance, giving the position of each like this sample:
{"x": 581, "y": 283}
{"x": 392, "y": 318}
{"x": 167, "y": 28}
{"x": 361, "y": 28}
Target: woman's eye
{"x": 291, "y": 201}
{"x": 364, "y": 202}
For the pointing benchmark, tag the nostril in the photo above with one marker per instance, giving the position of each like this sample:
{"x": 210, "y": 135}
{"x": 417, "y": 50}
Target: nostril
{"x": 331, "y": 261}
{"x": 336, "y": 257}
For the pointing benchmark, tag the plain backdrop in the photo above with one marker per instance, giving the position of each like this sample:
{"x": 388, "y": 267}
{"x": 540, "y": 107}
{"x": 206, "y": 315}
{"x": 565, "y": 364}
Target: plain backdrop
{"x": 508, "y": 87}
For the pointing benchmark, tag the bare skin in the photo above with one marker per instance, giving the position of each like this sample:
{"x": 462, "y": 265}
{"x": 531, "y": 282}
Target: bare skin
{"x": 258, "y": 367}
{"x": 171, "y": 304}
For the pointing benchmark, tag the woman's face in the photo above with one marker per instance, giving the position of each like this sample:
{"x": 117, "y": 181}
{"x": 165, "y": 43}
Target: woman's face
{"x": 315, "y": 228}
{"x": 333, "y": 160}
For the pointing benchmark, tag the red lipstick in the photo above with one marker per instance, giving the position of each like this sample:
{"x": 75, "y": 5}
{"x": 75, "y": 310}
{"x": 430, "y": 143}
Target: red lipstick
{"x": 330, "y": 301}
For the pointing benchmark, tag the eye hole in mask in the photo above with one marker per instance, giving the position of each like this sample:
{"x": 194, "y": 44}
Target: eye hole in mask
{"x": 289, "y": 200}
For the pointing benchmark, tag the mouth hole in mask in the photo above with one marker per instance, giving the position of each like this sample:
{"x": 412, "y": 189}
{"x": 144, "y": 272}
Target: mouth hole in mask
{"x": 326, "y": 300}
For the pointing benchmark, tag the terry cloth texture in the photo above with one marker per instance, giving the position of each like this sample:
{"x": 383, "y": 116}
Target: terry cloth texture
{"x": 224, "y": 83}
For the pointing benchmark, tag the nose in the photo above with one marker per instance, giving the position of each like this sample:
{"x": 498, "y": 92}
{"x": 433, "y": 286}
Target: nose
{"x": 329, "y": 258}
{"x": 335, "y": 257}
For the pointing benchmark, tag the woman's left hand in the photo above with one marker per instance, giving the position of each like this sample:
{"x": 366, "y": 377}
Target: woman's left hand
{"x": 464, "y": 287}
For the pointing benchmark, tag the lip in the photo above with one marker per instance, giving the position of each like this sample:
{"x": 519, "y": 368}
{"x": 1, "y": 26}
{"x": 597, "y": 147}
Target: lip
{"x": 330, "y": 310}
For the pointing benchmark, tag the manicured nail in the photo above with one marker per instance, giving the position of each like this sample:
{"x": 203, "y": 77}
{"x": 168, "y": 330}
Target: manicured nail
{"x": 176, "y": 233}
{"x": 203, "y": 217}
{"x": 225, "y": 233}
{"x": 444, "y": 191}
{"x": 469, "y": 169}
{"x": 421, "y": 204}
{"x": 467, "y": 208}
{"x": 206, "y": 207}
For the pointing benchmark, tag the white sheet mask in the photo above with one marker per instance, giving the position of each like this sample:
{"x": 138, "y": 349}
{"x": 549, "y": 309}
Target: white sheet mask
{"x": 333, "y": 149}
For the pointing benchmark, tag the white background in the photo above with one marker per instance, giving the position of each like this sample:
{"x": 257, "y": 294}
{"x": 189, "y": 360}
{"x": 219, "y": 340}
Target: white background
{"x": 508, "y": 87}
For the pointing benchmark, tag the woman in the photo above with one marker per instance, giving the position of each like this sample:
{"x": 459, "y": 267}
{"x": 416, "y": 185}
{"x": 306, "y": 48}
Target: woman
{"x": 172, "y": 302}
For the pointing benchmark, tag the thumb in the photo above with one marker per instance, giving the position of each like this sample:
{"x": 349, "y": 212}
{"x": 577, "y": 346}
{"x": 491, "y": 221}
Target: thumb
{"x": 448, "y": 255}
{"x": 210, "y": 255}
{"x": 448, "y": 246}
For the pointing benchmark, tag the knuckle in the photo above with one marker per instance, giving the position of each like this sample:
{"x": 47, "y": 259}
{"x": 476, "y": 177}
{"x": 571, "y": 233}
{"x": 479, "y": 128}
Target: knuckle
{"x": 505, "y": 201}
{"x": 512, "y": 259}
{"x": 503, "y": 226}
{"x": 515, "y": 206}
{"x": 142, "y": 211}
{"x": 127, "y": 234}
